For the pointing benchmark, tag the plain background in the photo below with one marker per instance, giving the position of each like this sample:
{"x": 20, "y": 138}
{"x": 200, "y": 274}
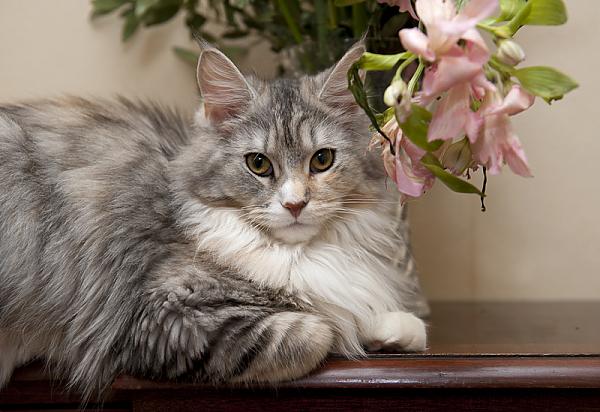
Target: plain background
{"x": 539, "y": 239}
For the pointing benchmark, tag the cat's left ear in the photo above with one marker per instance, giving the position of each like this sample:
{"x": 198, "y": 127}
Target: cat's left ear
{"x": 225, "y": 92}
{"x": 335, "y": 91}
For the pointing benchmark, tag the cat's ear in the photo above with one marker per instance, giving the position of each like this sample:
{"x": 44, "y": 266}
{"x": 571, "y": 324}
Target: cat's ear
{"x": 225, "y": 92}
{"x": 335, "y": 91}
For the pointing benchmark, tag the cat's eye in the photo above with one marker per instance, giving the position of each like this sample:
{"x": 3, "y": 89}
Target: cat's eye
{"x": 322, "y": 160}
{"x": 259, "y": 164}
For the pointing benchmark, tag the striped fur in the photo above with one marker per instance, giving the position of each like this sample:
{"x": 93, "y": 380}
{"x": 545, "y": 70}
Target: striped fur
{"x": 134, "y": 241}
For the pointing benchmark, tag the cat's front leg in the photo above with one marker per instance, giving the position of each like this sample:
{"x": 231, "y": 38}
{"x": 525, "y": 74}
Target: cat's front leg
{"x": 396, "y": 331}
{"x": 225, "y": 330}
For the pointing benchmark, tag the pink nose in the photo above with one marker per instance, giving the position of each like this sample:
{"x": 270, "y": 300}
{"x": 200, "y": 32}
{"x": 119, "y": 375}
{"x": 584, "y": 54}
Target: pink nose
{"x": 294, "y": 208}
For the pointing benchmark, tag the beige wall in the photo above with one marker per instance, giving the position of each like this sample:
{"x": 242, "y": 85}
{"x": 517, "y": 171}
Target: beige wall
{"x": 539, "y": 239}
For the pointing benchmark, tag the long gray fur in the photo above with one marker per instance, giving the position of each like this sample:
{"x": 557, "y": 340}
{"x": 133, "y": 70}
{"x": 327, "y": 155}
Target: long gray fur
{"x": 97, "y": 272}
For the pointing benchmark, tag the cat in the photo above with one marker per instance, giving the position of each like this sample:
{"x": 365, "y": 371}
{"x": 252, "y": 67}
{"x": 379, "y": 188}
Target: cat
{"x": 243, "y": 246}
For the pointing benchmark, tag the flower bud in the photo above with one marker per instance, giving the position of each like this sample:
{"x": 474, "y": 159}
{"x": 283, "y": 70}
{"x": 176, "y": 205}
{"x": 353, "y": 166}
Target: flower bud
{"x": 394, "y": 92}
{"x": 509, "y": 52}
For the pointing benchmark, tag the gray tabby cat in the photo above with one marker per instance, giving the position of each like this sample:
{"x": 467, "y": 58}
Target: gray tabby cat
{"x": 242, "y": 248}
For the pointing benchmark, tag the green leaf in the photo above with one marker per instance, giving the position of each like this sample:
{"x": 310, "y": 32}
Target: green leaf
{"x": 101, "y": 7}
{"x": 357, "y": 88}
{"x": 130, "y": 25}
{"x": 344, "y": 3}
{"x": 546, "y": 82}
{"x": 234, "y": 52}
{"x": 547, "y": 13}
{"x": 454, "y": 183}
{"x": 160, "y": 15}
{"x": 416, "y": 127}
{"x": 194, "y": 21}
{"x": 187, "y": 55}
{"x": 234, "y": 34}
{"x": 509, "y": 9}
{"x": 378, "y": 62}
{"x": 386, "y": 116}
{"x": 142, "y": 6}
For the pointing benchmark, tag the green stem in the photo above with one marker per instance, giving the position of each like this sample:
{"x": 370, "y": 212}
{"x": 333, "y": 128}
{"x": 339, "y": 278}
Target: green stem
{"x": 289, "y": 19}
{"x": 332, "y": 14}
{"x": 359, "y": 19}
{"x": 321, "y": 16}
{"x": 414, "y": 81}
{"x": 501, "y": 67}
{"x": 403, "y": 66}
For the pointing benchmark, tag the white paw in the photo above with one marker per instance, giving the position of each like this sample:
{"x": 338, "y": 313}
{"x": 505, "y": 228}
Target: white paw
{"x": 398, "y": 331}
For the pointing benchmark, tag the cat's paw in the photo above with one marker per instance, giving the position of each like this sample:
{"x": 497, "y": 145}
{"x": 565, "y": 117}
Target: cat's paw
{"x": 401, "y": 331}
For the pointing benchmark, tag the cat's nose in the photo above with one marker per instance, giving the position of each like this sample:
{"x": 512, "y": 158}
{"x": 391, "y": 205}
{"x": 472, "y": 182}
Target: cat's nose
{"x": 295, "y": 208}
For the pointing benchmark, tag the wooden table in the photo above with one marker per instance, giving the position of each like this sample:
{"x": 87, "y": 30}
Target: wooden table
{"x": 482, "y": 357}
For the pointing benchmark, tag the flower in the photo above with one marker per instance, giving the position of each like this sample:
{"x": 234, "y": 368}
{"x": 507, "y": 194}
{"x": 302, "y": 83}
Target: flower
{"x": 496, "y": 142}
{"x": 453, "y": 116}
{"x": 457, "y": 69}
{"x": 445, "y": 27}
{"x": 405, "y": 168}
{"x": 452, "y": 64}
{"x": 404, "y": 5}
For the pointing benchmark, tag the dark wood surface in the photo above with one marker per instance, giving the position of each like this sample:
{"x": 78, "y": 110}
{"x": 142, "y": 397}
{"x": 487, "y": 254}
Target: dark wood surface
{"x": 481, "y": 356}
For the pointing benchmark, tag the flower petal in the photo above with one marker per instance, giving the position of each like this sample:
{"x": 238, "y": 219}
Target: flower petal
{"x": 473, "y": 126}
{"x": 432, "y": 11}
{"x": 476, "y": 49}
{"x": 481, "y": 85}
{"x": 406, "y": 6}
{"x": 487, "y": 149}
{"x": 450, "y": 70}
{"x": 470, "y": 15}
{"x": 479, "y": 9}
{"x": 516, "y": 101}
{"x": 412, "y": 178}
{"x": 516, "y": 159}
{"x": 451, "y": 114}
{"x": 416, "y": 41}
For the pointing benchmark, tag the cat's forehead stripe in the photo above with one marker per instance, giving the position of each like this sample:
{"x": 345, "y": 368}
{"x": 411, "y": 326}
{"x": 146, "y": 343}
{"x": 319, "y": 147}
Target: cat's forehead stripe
{"x": 294, "y": 119}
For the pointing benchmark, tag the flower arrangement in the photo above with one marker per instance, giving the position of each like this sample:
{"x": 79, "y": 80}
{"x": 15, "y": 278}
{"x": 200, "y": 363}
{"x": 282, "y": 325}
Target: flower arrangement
{"x": 451, "y": 98}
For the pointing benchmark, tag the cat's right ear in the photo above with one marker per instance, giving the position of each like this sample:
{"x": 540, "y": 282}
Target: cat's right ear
{"x": 225, "y": 92}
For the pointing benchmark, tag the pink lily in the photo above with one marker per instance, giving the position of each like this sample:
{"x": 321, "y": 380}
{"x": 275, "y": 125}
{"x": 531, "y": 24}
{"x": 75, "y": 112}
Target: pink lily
{"x": 497, "y": 142}
{"x": 457, "y": 66}
{"x": 453, "y": 115}
{"x": 453, "y": 64}
{"x": 410, "y": 176}
{"x": 404, "y": 5}
{"x": 456, "y": 69}
{"x": 445, "y": 27}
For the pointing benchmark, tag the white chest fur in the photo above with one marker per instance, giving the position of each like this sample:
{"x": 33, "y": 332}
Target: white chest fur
{"x": 345, "y": 272}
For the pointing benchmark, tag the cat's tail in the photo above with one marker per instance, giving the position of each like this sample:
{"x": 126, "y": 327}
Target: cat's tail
{"x": 280, "y": 347}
